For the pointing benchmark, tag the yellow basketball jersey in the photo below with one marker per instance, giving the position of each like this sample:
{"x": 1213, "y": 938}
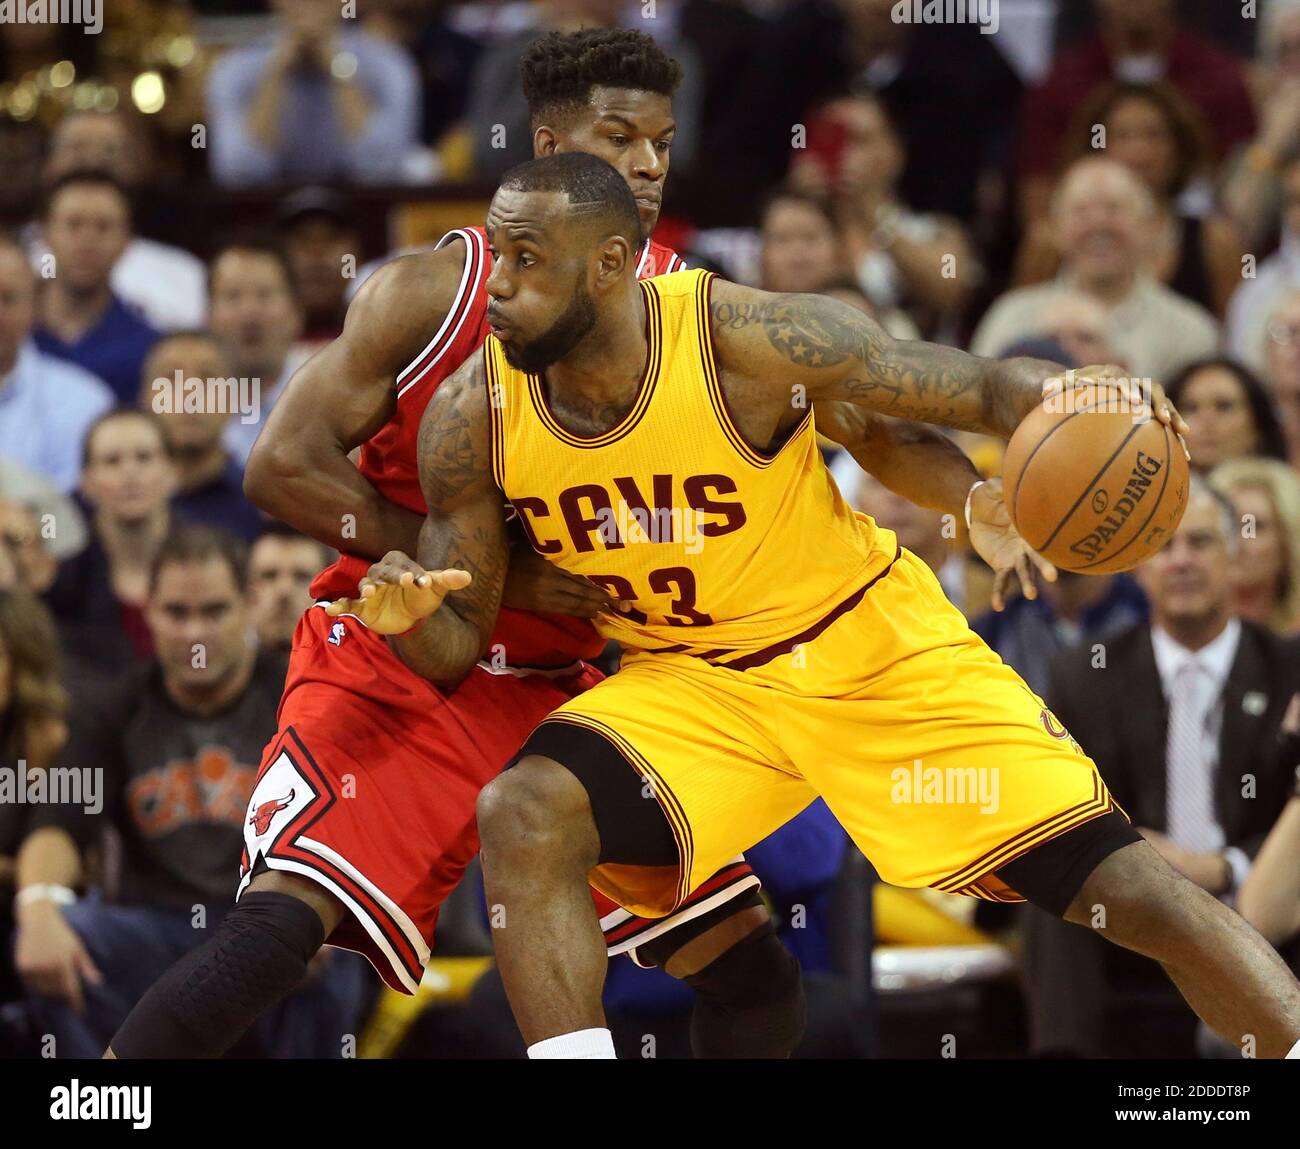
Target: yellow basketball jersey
{"x": 712, "y": 545}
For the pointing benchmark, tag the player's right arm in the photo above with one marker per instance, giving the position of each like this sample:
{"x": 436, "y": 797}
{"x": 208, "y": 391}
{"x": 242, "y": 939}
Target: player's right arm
{"x": 440, "y": 608}
{"x": 299, "y": 470}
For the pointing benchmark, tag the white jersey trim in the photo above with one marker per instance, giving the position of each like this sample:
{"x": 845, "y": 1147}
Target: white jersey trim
{"x": 358, "y": 912}
{"x": 475, "y": 250}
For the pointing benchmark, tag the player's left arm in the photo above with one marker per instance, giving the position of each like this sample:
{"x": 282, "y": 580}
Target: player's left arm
{"x": 924, "y": 466}
{"x": 914, "y": 460}
{"x": 836, "y": 352}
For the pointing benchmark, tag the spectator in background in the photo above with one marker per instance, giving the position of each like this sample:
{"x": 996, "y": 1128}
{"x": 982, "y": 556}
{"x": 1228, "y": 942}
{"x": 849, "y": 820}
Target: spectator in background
{"x": 901, "y": 258}
{"x": 319, "y": 237}
{"x": 1274, "y": 277}
{"x": 1075, "y": 610}
{"x": 46, "y": 405}
{"x": 1077, "y": 322}
{"x": 164, "y": 283}
{"x": 1266, "y": 573}
{"x": 209, "y": 480}
{"x": 98, "y": 597}
{"x": 800, "y": 247}
{"x": 176, "y": 744}
{"x": 1182, "y": 710}
{"x": 1154, "y": 132}
{"x": 1282, "y": 367}
{"x": 33, "y": 729}
{"x": 26, "y": 562}
{"x": 1101, "y": 216}
{"x": 1251, "y": 191}
{"x": 281, "y": 566}
{"x": 1138, "y": 41}
{"x": 1229, "y": 411}
{"x": 87, "y": 225}
{"x": 56, "y": 519}
{"x": 813, "y": 51}
{"x": 445, "y": 58}
{"x": 254, "y": 312}
{"x": 317, "y": 99}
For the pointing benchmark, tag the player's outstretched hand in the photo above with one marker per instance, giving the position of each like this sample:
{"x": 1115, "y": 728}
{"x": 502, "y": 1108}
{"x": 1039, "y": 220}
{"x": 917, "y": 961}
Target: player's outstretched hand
{"x": 397, "y": 593}
{"x": 999, "y": 544}
{"x": 1135, "y": 392}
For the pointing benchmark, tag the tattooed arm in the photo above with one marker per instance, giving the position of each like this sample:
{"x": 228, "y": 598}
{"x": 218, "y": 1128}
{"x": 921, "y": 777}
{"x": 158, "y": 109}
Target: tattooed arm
{"x": 837, "y": 352}
{"x": 439, "y": 609}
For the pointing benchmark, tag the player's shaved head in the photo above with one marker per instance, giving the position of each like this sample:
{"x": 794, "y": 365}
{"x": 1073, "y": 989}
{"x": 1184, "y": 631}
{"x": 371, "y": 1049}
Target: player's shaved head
{"x": 594, "y": 192}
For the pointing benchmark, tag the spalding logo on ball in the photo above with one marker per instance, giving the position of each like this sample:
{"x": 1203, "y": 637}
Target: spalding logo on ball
{"x": 1092, "y": 489}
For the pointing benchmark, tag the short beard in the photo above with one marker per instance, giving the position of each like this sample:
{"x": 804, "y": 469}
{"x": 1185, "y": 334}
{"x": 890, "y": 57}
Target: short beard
{"x": 559, "y": 339}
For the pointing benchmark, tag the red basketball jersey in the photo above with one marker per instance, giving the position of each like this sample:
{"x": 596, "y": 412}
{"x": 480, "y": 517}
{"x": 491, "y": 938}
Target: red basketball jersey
{"x": 390, "y": 462}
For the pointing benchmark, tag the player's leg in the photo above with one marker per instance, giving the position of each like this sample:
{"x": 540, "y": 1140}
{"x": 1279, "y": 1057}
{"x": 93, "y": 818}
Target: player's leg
{"x": 610, "y": 786}
{"x": 949, "y": 772}
{"x": 258, "y": 955}
{"x": 749, "y": 997}
{"x": 538, "y": 841}
{"x": 1234, "y": 980}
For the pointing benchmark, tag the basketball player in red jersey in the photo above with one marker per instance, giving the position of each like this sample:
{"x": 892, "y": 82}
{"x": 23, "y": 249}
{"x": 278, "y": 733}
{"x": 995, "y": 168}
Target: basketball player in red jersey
{"x": 362, "y": 820}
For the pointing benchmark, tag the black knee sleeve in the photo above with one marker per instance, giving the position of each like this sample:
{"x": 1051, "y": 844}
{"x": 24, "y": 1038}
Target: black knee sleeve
{"x": 749, "y": 1002}
{"x": 207, "y": 1000}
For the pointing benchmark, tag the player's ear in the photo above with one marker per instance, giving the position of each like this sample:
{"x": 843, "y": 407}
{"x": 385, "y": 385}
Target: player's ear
{"x": 615, "y": 255}
{"x": 544, "y": 142}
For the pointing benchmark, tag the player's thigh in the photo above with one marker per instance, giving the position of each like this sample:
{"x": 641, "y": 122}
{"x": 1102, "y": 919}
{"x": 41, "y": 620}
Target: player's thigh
{"x": 680, "y": 781}
{"x": 940, "y": 762}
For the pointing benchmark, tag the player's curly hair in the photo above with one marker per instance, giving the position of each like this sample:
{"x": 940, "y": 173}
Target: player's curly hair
{"x": 560, "y": 69}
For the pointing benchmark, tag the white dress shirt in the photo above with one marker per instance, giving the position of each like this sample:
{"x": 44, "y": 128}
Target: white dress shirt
{"x": 1215, "y": 660}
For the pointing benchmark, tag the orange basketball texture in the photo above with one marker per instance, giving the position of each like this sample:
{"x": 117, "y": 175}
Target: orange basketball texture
{"x": 1094, "y": 491}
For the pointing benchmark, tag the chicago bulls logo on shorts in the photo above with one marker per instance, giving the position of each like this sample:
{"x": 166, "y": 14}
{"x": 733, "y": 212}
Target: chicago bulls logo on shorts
{"x": 261, "y": 819}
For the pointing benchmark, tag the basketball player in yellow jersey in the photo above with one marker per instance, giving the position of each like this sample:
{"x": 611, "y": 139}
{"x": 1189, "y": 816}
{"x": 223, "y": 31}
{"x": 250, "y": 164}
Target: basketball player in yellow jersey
{"x": 656, "y": 438}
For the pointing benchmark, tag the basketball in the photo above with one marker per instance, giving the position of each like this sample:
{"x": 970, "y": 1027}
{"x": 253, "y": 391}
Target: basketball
{"x": 1092, "y": 489}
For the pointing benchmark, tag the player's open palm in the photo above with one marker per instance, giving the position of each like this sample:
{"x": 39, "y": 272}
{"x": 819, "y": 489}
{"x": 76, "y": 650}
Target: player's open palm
{"x": 999, "y": 544}
{"x": 397, "y": 594}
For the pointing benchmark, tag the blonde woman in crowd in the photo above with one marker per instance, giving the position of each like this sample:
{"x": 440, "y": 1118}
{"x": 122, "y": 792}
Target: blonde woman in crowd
{"x": 1266, "y": 583}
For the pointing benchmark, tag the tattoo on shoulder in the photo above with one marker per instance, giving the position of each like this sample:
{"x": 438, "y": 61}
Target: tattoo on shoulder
{"x": 452, "y": 442}
{"x": 912, "y": 380}
{"x": 805, "y": 329}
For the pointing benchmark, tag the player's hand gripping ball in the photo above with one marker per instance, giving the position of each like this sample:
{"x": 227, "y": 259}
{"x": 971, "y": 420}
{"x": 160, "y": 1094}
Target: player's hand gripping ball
{"x": 397, "y": 594}
{"x": 1096, "y": 477}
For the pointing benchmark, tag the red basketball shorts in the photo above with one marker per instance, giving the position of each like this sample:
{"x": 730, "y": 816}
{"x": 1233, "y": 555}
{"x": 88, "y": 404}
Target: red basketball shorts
{"x": 369, "y": 786}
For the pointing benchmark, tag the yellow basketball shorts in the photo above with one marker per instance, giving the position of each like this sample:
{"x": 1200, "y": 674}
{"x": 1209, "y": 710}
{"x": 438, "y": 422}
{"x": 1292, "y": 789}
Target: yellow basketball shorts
{"x": 935, "y": 756}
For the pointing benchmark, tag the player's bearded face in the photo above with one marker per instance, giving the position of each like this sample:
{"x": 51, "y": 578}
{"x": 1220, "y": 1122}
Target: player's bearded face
{"x": 536, "y": 355}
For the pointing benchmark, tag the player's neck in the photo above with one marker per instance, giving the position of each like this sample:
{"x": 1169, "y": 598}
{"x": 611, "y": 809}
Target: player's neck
{"x": 609, "y": 360}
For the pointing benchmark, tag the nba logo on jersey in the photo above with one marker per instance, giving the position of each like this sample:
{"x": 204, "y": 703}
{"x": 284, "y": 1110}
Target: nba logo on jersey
{"x": 337, "y": 631}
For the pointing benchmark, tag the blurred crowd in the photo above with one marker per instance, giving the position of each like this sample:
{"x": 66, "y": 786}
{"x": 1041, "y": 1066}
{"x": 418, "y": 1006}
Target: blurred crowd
{"x": 194, "y": 194}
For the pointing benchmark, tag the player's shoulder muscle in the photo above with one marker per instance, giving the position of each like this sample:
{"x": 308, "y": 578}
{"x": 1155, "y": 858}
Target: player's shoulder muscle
{"x": 398, "y": 307}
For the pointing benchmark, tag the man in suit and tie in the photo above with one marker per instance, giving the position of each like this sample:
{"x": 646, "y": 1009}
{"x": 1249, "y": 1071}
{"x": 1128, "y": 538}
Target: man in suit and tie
{"x": 1181, "y": 715}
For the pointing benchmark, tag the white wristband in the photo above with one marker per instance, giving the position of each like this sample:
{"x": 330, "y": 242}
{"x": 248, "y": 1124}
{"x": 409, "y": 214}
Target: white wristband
{"x": 45, "y": 892}
{"x": 969, "y": 495}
